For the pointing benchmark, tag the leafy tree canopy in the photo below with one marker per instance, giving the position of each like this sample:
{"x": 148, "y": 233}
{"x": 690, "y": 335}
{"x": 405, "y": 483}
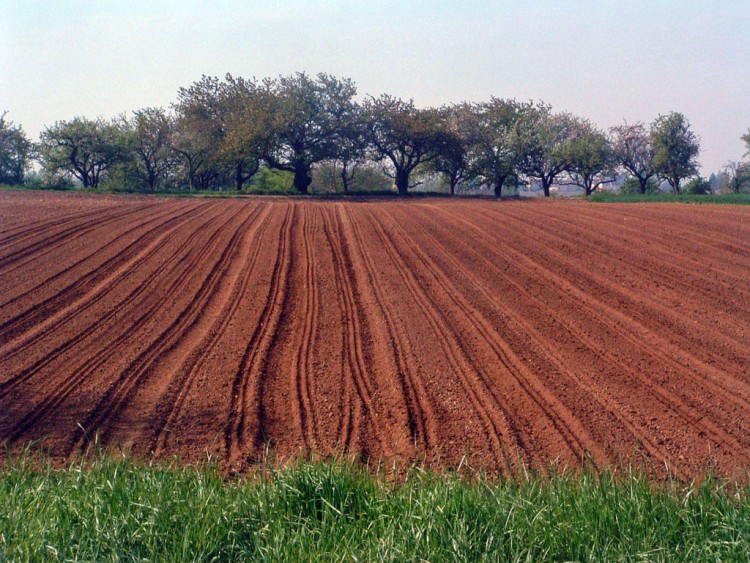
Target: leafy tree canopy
{"x": 84, "y": 148}
{"x": 676, "y": 149}
{"x": 15, "y": 152}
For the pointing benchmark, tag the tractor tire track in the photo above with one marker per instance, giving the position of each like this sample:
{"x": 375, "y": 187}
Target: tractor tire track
{"x": 420, "y": 413}
{"x": 118, "y": 395}
{"x": 171, "y": 404}
{"x": 495, "y": 426}
{"x": 243, "y": 429}
{"x": 96, "y": 362}
{"x": 569, "y": 428}
{"x": 42, "y": 319}
{"x": 666, "y": 397}
{"x": 83, "y": 263}
{"x": 15, "y": 260}
{"x": 355, "y": 369}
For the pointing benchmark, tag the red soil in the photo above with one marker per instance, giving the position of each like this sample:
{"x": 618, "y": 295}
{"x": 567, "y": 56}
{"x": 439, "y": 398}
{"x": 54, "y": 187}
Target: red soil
{"x": 424, "y": 330}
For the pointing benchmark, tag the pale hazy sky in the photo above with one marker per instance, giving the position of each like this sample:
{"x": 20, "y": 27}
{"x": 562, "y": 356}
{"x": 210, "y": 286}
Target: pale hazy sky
{"x": 604, "y": 60}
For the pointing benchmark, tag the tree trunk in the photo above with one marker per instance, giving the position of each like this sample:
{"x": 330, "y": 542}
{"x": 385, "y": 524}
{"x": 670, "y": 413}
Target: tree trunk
{"x": 302, "y": 179}
{"x": 344, "y": 178}
{"x": 239, "y": 178}
{"x": 676, "y": 185}
{"x": 545, "y": 187}
{"x": 643, "y": 184}
{"x": 498, "y": 186}
{"x": 191, "y": 174}
{"x": 402, "y": 182}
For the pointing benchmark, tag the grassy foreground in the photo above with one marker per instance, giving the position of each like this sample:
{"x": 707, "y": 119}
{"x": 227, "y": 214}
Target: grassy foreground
{"x": 736, "y": 199}
{"x": 117, "y": 510}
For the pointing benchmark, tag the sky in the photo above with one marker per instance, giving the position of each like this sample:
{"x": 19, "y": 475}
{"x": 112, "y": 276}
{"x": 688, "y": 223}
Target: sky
{"x": 605, "y": 60}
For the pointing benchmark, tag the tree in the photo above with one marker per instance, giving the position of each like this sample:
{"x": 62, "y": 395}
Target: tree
{"x": 15, "y": 152}
{"x": 746, "y": 138}
{"x": 590, "y": 158}
{"x": 459, "y": 126}
{"x": 351, "y": 151}
{"x": 402, "y": 134}
{"x": 698, "y": 186}
{"x": 220, "y": 128}
{"x": 83, "y": 148}
{"x": 738, "y": 176}
{"x": 305, "y": 118}
{"x": 150, "y": 145}
{"x": 195, "y": 150}
{"x": 494, "y": 153}
{"x": 540, "y": 142}
{"x": 634, "y": 151}
{"x": 245, "y": 132}
{"x": 676, "y": 149}
{"x": 632, "y": 185}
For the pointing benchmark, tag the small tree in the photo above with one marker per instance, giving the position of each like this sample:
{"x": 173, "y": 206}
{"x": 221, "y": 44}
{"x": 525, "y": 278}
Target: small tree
{"x": 496, "y": 151}
{"x": 195, "y": 150}
{"x": 540, "y": 142}
{"x": 634, "y": 151}
{"x": 676, "y": 149}
{"x": 590, "y": 158}
{"x": 746, "y": 138}
{"x": 15, "y": 152}
{"x": 458, "y": 125}
{"x": 219, "y": 130}
{"x": 403, "y": 135}
{"x": 86, "y": 149}
{"x": 632, "y": 185}
{"x": 306, "y": 118}
{"x": 150, "y": 133}
{"x": 351, "y": 145}
{"x": 698, "y": 186}
{"x": 738, "y": 176}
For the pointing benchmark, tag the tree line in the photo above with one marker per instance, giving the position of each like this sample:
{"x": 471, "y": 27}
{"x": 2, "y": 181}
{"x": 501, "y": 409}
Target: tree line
{"x": 224, "y": 133}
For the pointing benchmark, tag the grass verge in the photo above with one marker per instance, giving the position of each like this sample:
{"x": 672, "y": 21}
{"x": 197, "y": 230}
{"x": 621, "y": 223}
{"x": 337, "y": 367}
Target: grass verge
{"x": 735, "y": 199}
{"x": 115, "y": 509}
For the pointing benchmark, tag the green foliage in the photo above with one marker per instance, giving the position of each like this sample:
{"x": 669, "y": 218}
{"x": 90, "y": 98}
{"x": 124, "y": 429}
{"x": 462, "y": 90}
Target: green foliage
{"x": 676, "y": 149}
{"x": 403, "y": 135}
{"x": 306, "y": 120}
{"x": 589, "y": 157}
{"x": 82, "y": 148}
{"x": 632, "y": 185}
{"x": 271, "y": 181}
{"x": 148, "y": 136}
{"x": 541, "y": 141}
{"x": 698, "y": 186}
{"x": 458, "y": 126}
{"x": 117, "y": 510}
{"x": 497, "y": 149}
{"x": 361, "y": 178}
{"x": 221, "y": 132}
{"x": 15, "y": 152}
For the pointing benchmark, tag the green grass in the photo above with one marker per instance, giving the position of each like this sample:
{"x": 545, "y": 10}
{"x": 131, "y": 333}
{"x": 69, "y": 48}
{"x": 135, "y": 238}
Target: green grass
{"x": 736, "y": 199}
{"x": 108, "y": 510}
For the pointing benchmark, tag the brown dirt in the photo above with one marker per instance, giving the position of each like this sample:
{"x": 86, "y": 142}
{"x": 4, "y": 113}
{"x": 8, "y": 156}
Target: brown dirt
{"x": 429, "y": 330}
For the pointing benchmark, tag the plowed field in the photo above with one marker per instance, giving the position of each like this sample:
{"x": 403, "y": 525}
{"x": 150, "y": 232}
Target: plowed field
{"x": 429, "y": 329}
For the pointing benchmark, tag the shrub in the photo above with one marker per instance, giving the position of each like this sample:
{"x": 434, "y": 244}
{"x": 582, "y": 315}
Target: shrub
{"x": 698, "y": 186}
